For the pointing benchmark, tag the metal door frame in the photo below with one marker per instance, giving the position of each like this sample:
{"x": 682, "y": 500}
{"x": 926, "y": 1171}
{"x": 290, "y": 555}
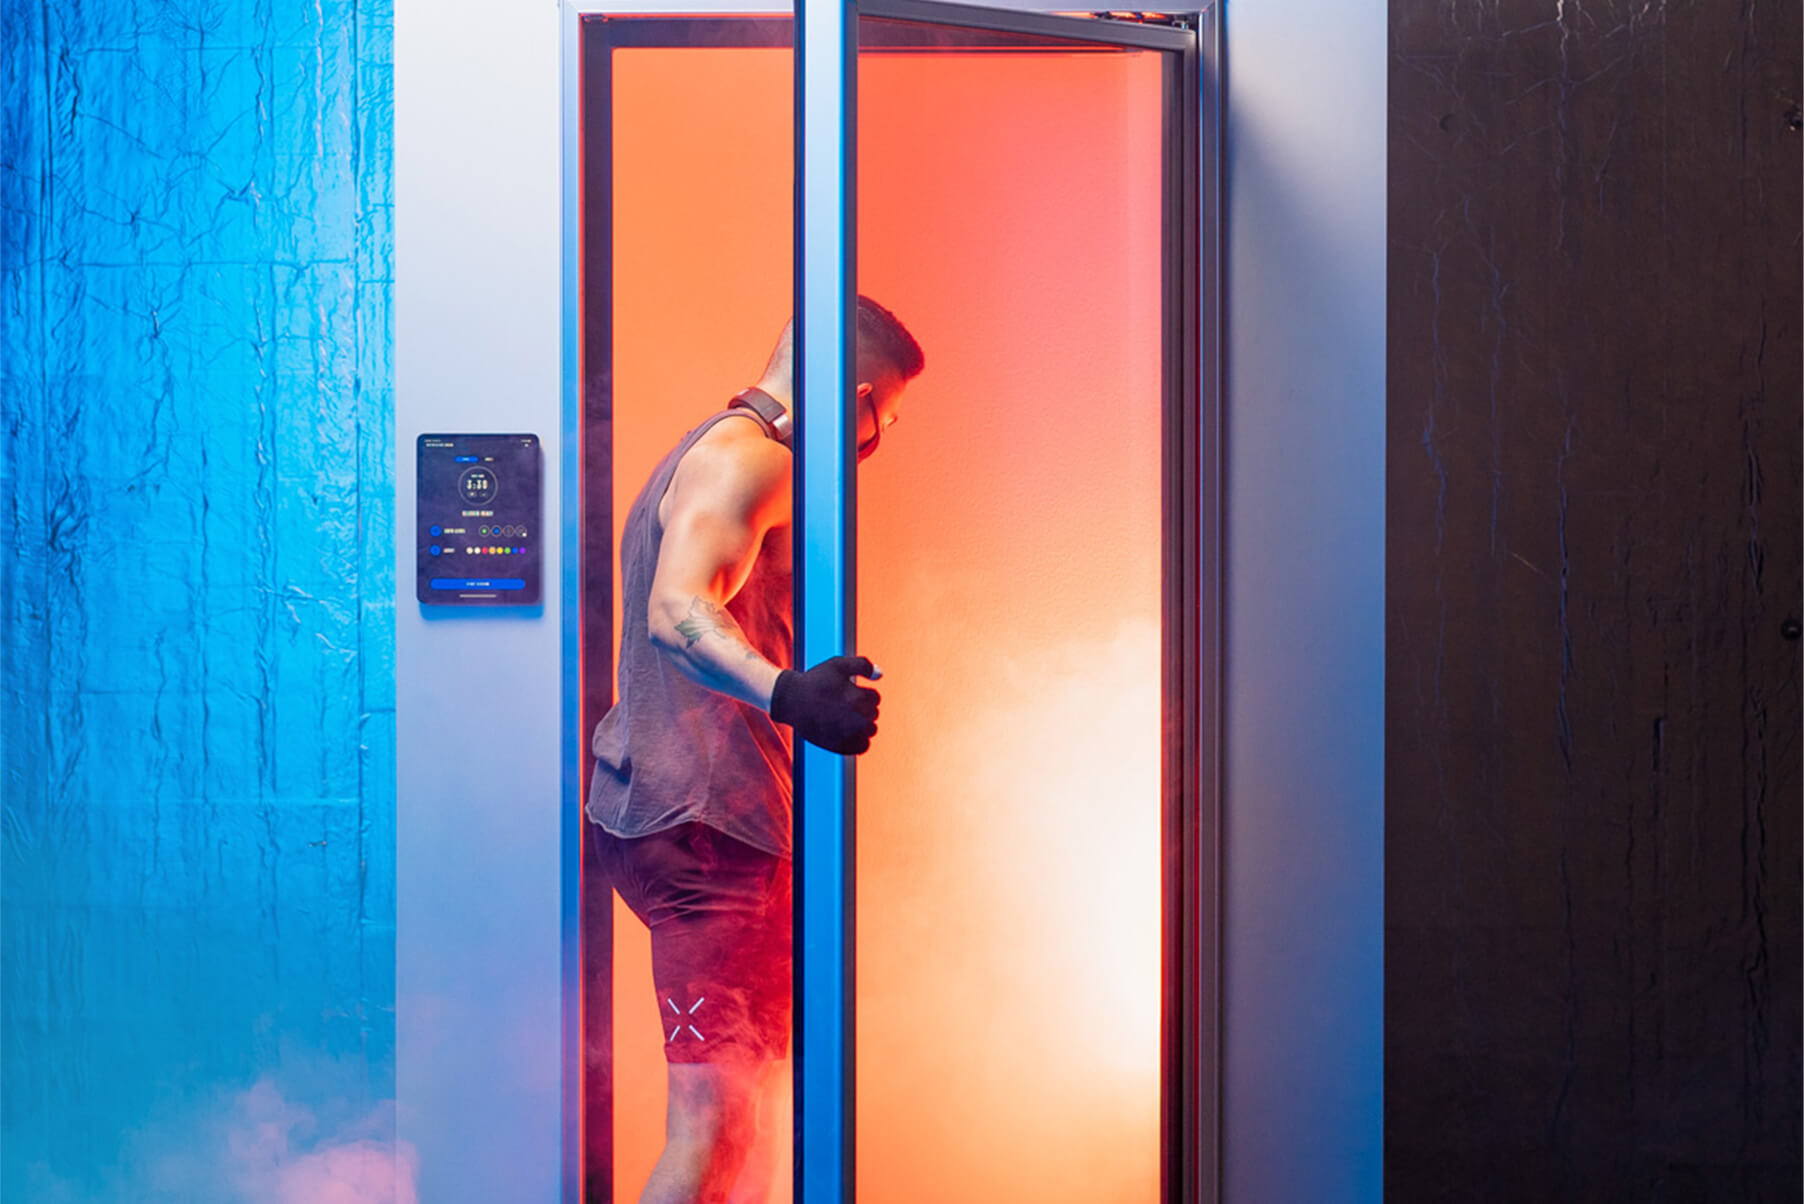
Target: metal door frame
{"x": 825, "y": 273}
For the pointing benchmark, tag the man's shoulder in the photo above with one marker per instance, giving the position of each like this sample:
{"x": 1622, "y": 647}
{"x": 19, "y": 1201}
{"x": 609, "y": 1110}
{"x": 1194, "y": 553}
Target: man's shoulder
{"x": 738, "y": 448}
{"x": 734, "y": 462}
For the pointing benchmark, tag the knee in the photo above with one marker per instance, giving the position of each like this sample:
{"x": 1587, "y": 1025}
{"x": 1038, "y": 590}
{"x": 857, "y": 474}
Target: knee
{"x": 721, "y": 1126}
{"x": 713, "y": 1119}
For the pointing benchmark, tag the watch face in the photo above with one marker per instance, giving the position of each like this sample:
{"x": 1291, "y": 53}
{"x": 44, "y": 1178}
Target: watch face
{"x": 478, "y": 539}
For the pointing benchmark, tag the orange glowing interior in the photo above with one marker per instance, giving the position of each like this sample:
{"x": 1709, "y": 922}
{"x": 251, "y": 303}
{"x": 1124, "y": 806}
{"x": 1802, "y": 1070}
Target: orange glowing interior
{"x": 1009, "y": 586}
{"x": 1008, "y": 863}
{"x": 702, "y": 267}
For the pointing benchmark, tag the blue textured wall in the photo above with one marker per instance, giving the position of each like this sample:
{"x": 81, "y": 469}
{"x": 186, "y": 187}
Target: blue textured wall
{"x": 198, "y": 709}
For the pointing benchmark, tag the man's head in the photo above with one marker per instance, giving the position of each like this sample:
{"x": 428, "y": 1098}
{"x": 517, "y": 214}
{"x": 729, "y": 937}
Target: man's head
{"x": 888, "y": 358}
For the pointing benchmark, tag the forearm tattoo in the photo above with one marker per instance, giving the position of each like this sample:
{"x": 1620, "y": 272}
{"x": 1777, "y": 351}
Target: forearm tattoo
{"x": 705, "y": 619}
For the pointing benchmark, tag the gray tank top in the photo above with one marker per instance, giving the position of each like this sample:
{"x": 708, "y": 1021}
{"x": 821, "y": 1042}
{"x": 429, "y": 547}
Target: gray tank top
{"x": 670, "y": 751}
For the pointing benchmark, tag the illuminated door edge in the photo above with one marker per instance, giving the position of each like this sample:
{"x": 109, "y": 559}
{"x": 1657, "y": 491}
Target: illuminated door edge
{"x": 570, "y": 490}
{"x": 826, "y": 62}
{"x": 1201, "y": 882}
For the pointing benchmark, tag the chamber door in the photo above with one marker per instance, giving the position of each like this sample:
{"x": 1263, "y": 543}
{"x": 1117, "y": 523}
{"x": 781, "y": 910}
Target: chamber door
{"x": 1021, "y": 207}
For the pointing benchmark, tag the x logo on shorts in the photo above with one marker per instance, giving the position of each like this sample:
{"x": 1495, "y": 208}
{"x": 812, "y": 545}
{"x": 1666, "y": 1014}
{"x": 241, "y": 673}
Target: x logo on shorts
{"x": 683, "y": 1021}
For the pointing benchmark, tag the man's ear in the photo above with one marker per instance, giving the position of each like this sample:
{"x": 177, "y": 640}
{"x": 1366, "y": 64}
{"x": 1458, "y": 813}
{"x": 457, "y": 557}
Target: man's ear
{"x": 865, "y": 389}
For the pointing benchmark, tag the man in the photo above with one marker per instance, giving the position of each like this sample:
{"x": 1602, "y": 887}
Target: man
{"x": 690, "y": 801}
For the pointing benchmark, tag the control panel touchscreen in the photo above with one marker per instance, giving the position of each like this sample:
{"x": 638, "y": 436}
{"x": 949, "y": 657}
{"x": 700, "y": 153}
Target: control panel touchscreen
{"x": 479, "y": 536}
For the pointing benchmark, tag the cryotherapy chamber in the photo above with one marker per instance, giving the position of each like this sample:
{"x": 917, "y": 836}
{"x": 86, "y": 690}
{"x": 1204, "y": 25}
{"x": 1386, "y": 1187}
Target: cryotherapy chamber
{"x": 1006, "y": 983}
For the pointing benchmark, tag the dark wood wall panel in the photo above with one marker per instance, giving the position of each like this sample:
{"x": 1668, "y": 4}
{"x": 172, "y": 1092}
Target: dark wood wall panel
{"x": 1592, "y": 849}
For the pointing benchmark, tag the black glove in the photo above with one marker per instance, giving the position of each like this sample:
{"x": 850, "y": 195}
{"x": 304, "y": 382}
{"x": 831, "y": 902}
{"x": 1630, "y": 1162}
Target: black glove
{"x": 826, "y": 707}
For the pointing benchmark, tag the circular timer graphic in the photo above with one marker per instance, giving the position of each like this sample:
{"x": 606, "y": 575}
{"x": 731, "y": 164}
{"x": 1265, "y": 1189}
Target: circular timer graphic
{"x": 477, "y": 486}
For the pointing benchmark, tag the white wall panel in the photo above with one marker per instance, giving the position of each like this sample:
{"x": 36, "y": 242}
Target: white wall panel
{"x": 478, "y": 706}
{"x": 1303, "y": 843}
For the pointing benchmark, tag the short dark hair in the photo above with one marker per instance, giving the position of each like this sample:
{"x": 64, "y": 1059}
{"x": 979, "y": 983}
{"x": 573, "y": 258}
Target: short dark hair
{"x": 881, "y": 331}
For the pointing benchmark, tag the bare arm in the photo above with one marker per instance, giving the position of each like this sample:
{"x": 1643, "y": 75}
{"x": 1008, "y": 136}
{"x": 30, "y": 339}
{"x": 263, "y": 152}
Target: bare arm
{"x": 730, "y": 491}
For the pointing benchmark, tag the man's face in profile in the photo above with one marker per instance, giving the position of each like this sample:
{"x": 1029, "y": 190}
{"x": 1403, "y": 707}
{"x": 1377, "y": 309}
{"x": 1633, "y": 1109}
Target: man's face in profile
{"x": 878, "y": 404}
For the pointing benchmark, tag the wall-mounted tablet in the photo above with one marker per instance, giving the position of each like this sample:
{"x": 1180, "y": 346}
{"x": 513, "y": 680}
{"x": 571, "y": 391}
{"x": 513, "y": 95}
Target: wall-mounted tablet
{"x": 479, "y": 521}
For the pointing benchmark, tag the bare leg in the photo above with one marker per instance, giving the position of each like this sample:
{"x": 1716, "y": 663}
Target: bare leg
{"x": 756, "y": 1178}
{"x": 708, "y": 1132}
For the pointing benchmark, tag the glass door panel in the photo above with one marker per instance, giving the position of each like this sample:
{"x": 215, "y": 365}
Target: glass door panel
{"x": 1011, "y": 539}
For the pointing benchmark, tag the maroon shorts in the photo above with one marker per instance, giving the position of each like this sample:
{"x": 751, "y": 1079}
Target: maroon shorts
{"x": 719, "y": 914}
